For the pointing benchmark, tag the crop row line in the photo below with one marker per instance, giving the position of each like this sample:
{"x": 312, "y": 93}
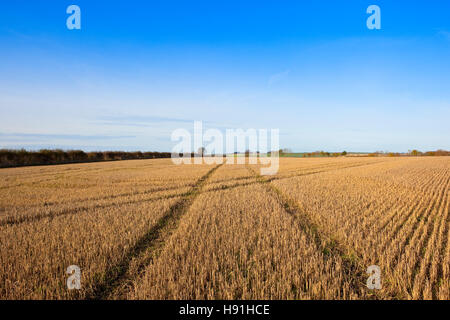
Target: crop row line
{"x": 118, "y": 277}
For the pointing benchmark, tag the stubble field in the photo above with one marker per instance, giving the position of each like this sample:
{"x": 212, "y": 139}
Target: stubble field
{"x": 150, "y": 229}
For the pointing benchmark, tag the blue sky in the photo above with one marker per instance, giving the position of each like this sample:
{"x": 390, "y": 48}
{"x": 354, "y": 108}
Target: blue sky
{"x": 137, "y": 70}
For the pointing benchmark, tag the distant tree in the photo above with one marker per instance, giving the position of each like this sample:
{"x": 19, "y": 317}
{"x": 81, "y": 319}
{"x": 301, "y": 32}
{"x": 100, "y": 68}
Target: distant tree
{"x": 201, "y": 151}
{"x": 441, "y": 152}
{"x": 391, "y": 154}
{"x": 344, "y": 153}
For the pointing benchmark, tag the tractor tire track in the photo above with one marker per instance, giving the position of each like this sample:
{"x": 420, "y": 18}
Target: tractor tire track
{"x": 117, "y": 277}
{"x": 353, "y": 271}
{"x": 15, "y": 220}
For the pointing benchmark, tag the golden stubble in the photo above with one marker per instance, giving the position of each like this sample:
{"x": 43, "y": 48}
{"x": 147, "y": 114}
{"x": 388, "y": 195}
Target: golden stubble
{"x": 163, "y": 231}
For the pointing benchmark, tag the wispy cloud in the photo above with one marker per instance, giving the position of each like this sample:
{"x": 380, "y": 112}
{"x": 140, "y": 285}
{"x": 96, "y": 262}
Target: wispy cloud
{"x": 18, "y": 136}
{"x": 139, "y": 121}
{"x": 148, "y": 121}
{"x": 444, "y": 33}
{"x": 277, "y": 77}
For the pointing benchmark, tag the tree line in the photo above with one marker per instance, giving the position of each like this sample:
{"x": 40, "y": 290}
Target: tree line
{"x": 413, "y": 153}
{"x": 15, "y": 158}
